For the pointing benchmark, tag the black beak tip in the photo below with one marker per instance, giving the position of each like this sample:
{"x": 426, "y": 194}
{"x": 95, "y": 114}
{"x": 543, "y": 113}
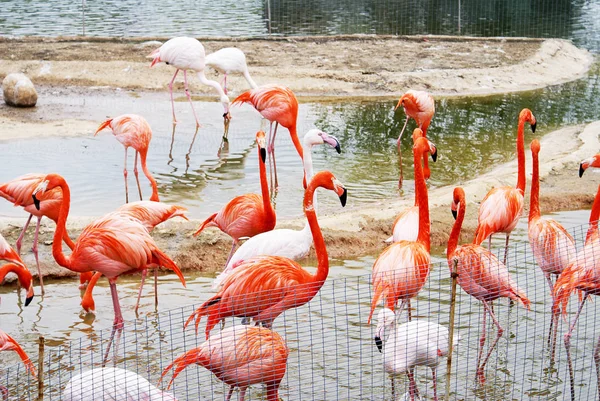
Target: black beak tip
{"x": 581, "y": 170}
{"x": 434, "y": 156}
{"x": 533, "y": 127}
{"x": 379, "y": 343}
{"x": 338, "y": 148}
{"x": 343, "y": 197}
{"x": 454, "y": 213}
{"x": 36, "y": 202}
{"x": 28, "y": 300}
{"x": 263, "y": 154}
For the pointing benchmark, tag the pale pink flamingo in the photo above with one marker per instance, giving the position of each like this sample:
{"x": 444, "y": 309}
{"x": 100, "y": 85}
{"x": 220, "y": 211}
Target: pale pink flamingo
{"x": 500, "y": 210}
{"x": 185, "y": 54}
{"x": 240, "y": 356}
{"x": 279, "y": 105}
{"x": 293, "y": 244}
{"x": 133, "y": 131}
{"x": 420, "y": 106}
{"x": 481, "y": 275}
{"x": 403, "y": 267}
{"x": 553, "y": 247}
{"x": 263, "y": 287}
{"x": 111, "y": 245}
{"x": 7, "y": 343}
{"x": 24, "y": 276}
{"x": 582, "y": 274}
{"x": 230, "y": 60}
{"x": 249, "y": 214}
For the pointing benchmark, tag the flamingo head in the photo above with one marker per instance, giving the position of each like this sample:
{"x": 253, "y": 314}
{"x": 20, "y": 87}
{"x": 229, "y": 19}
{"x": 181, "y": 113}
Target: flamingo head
{"x": 41, "y": 188}
{"x": 24, "y": 275}
{"x": 593, "y": 162}
{"x": 418, "y": 133}
{"x": 340, "y": 190}
{"x": 318, "y": 137}
{"x": 527, "y": 115}
{"x": 458, "y": 198}
{"x": 262, "y": 145}
{"x": 155, "y": 57}
{"x": 386, "y": 318}
{"x": 88, "y": 304}
{"x": 406, "y": 101}
{"x": 226, "y": 103}
{"x": 104, "y": 125}
{"x": 535, "y": 146}
{"x": 30, "y": 293}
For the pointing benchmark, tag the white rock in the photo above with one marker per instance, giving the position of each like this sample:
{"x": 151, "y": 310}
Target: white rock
{"x": 19, "y": 90}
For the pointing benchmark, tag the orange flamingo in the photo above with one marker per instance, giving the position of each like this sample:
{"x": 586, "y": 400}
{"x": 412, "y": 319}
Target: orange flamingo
{"x": 240, "y": 356}
{"x": 420, "y": 106}
{"x": 481, "y": 275}
{"x": 133, "y": 131}
{"x": 553, "y": 247}
{"x": 150, "y": 214}
{"x": 7, "y": 343}
{"x": 24, "y": 276}
{"x": 249, "y": 214}
{"x": 19, "y": 191}
{"x": 111, "y": 245}
{"x": 502, "y": 207}
{"x": 583, "y": 274}
{"x": 403, "y": 267}
{"x": 263, "y": 287}
{"x": 279, "y": 105}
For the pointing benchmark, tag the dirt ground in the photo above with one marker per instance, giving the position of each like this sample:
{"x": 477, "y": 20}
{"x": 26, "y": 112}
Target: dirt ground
{"x": 320, "y": 67}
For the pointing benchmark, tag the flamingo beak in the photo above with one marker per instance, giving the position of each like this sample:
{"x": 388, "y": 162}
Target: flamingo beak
{"x": 28, "y": 300}
{"x": 263, "y": 154}
{"x": 533, "y": 127}
{"x": 36, "y": 201}
{"x": 581, "y": 170}
{"x": 454, "y": 213}
{"x": 332, "y": 141}
{"x": 398, "y": 105}
{"x": 379, "y": 343}
{"x": 434, "y": 155}
{"x": 343, "y": 197}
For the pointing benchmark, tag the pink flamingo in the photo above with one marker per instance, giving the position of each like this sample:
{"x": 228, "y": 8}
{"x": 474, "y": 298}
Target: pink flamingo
{"x": 185, "y": 54}
{"x": 230, "y": 60}
{"x": 553, "y": 247}
{"x": 403, "y": 267}
{"x": 500, "y": 210}
{"x": 111, "y": 245}
{"x": 279, "y": 105}
{"x": 133, "y": 131}
{"x": 249, "y": 214}
{"x": 481, "y": 275}
{"x": 7, "y": 343}
{"x": 420, "y": 106}
{"x": 24, "y": 276}
{"x": 240, "y": 356}
{"x": 263, "y": 287}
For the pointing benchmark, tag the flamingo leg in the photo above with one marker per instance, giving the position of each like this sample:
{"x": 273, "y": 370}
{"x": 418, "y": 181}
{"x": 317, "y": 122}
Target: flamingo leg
{"x": 234, "y": 242}
{"x": 409, "y": 309}
{"x": 393, "y": 387}
{"x": 187, "y": 93}
{"x": 567, "y": 339}
{"x": 498, "y": 335}
{"x": 225, "y": 83}
{"x": 242, "y": 393}
{"x": 125, "y": 176}
{"x": 505, "y": 248}
{"x": 398, "y": 143}
{"x": 597, "y": 362}
{"x": 34, "y": 248}
{"x": 434, "y": 375}
{"x": 490, "y": 245}
{"x": 552, "y": 331}
{"x": 229, "y": 393}
{"x": 171, "y": 92}
{"x": 137, "y": 304}
{"x": 135, "y": 172}
{"x": 481, "y": 344}
{"x": 117, "y": 324}
{"x": 156, "y": 288}
{"x": 22, "y": 235}
{"x": 412, "y": 386}
{"x": 272, "y": 151}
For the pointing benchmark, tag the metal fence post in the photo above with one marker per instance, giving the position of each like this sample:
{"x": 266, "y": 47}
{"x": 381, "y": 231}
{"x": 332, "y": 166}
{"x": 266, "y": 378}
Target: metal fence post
{"x": 459, "y": 17}
{"x": 269, "y": 15}
{"x": 41, "y": 369}
{"x": 454, "y": 275}
{"x": 83, "y": 15}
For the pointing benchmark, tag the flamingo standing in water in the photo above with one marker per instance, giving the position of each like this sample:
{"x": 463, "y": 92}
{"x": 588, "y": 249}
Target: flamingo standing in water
{"x": 583, "y": 274}
{"x": 553, "y": 247}
{"x": 240, "y": 356}
{"x": 111, "y": 245}
{"x": 249, "y": 214}
{"x": 279, "y": 105}
{"x": 500, "y": 210}
{"x": 7, "y": 343}
{"x": 185, "y": 54}
{"x": 230, "y": 60}
{"x": 403, "y": 267}
{"x": 263, "y": 287}
{"x": 481, "y": 275}
{"x": 284, "y": 242}
{"x": 420, "y": 106}
{"x": 19, "y": 191}
{"x": 133, "y": 131}
{"x": 24, "y": 276}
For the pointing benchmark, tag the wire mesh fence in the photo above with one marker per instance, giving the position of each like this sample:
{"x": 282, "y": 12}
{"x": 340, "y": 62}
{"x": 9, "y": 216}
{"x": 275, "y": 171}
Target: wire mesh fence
{"x": 332, "y": 351}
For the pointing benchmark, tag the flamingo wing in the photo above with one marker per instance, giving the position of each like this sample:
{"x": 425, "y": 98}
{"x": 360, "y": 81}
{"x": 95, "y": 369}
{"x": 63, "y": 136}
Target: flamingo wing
{"x": 243, "y": 216}
{"x": 406, "y": 225}
{"x": 553, "y": 247}
{"x": 499, "y": 211}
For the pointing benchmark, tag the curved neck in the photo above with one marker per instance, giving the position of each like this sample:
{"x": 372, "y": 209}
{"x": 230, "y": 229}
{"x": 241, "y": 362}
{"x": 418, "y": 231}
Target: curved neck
{"x": 422, "y": 200}
{"x": 264, "y": 188}
{"x": 319, "y": 242}
{"x": 61, "y": 226}
{"x": 534, "y": 201}
{"x": 22, "y": 273}
{"x": 521, "y": 156}
{"x": 210, "y": 82}
{"x": 296, "y": 141}
{"x": 455, "y": 233}
{"x": 594, "y": 215}
{"x": 154, "y": 197}
{"x": 250, "y": 80}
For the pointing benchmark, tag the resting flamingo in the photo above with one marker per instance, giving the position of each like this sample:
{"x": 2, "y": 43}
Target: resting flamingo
{"x": 185, "y": 54}
{"x": 7, "y": 343}
{"x": 406, "y": 225}
{"x": 112, "y": 384}
{"x": 481, "y": 275}
{"x": 230, "y": 60}
{"x": 24, "y": 277}
{"x": 500, "y": 210}
{"x": 249, "y": 214}
{"x": 553, "y": 247}
{"x": 111, "y": 245}
{"x": 288, "y": 243}
{"x": 403, "y": 267}
{"x": 240, "y": 356}
{"x": 420, "y": 106}
{"x": 279, "y": 105}
{"x": 150, "y": 214}
{"x": 133, "y": 131}
{"x": 263, "y": 287}
{"x": 583, "y": 274}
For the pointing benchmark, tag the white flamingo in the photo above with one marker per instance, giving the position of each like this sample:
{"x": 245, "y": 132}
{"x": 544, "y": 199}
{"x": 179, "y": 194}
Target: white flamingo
{"x": 230, "y": 60}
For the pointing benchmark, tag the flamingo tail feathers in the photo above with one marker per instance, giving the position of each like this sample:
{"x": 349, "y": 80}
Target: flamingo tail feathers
{"x": 209, "y": 308}
{"x": 162, "y": 259}
{"x": 207, "y": 223}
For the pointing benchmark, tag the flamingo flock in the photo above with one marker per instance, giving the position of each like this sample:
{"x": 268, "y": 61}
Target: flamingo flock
{"x": 263, "y": 279}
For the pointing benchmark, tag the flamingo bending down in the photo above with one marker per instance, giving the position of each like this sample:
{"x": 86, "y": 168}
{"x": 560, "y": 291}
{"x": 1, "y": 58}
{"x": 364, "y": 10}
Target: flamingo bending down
{"x": 24, "y": 276}
{"x": 263, "y": 287}
{"x": 279, "y": 105}
{"x": 500, "y": 210}
{"x": 185, "y": 54}
{"x": 240, "y": 356}
{"x": 111, "y": 245}
{"x": 411, "y": 344}
{"x": 230, "y": 60}
{"x": 112, "y": 384}
{"x": 293, "y": 244}
{"x": 420, "y": 106}
{"x": 249, "y": 214}
{"x": 403, "y": 267}
{"x": 133, "y": 131}
{"x": 583, "y": 274}
{"x": 481, "y": 275}
{"x": 552, "y": 246}
{"x": 150, "y": 214}
{"x": 7, "y": 343}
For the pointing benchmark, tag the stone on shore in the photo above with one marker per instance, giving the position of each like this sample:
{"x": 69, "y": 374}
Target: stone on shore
{"x": 19, "y": 90}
